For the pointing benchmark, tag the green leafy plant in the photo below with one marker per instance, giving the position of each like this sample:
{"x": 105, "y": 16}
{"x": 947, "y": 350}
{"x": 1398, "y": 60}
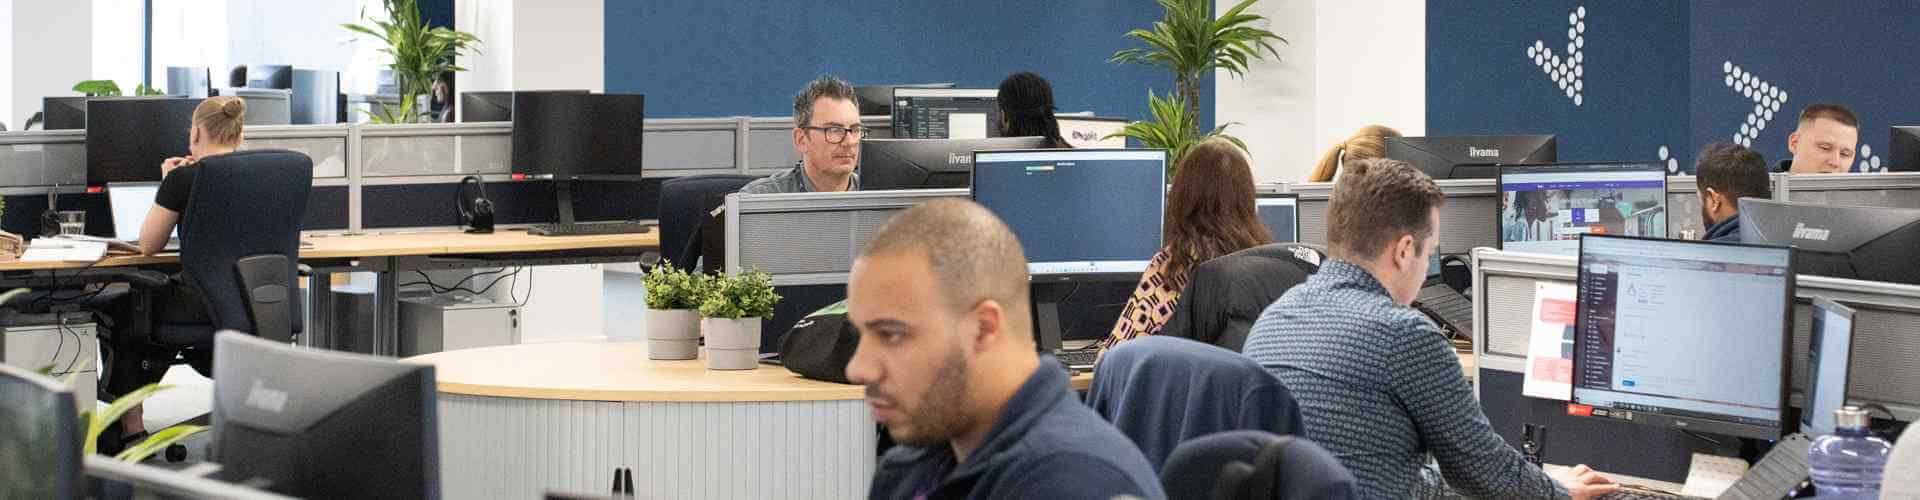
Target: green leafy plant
{"x": 98, "y": 424}
{"x": 420, "y": 55}
{"x": 107, "y": 88}
{"x": 1172, "y": 128}
{"x": 748, "y": 295}
{"x": 1191, "y": 43}
{"x": 671, "y": 288}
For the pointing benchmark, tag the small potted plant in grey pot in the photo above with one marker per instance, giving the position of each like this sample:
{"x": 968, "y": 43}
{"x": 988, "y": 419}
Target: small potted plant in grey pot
{"x": 673, "y": 312}
{"x": 730, "y": 319}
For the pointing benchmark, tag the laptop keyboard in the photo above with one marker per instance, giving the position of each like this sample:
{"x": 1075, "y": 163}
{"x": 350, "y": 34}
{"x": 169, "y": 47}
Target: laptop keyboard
{"x": 1084, "y": 358}
{"x": 1453, "y": 308}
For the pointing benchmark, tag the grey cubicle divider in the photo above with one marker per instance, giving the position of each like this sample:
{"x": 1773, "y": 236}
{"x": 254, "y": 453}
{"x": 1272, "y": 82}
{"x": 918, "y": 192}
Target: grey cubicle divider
{"x": 36, "y": 159}
{"x": 1889, "y": 190}
{"x": 811, "y": 238}
{"x": 1467, "y": 220}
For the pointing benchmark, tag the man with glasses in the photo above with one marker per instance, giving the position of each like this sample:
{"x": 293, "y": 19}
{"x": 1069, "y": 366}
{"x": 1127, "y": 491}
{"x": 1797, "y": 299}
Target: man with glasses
{"x": 827, "y": 133}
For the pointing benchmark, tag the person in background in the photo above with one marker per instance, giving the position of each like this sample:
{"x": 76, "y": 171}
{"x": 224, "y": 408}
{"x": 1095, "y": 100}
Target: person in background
{"x": 1370, "y": 142}
{"x": 1726, "y": 173}
{"x": 1026, "y": 109}
{"x": 1377, "y": 383}
{"x": 948, "y": 359}
{"x": 1825, "y": 141}
{"x": 1210, "y": 213}
{"x": 827, "y": 133}
{"x": 443, "y": 98}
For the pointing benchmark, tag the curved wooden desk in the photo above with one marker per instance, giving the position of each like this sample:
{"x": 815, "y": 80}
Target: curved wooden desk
{"x": 517, "y": 421}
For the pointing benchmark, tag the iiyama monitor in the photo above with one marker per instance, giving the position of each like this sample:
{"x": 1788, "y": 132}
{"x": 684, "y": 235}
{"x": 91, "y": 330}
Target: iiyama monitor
{"x": 1863, "y": 243}
{"x": 928, "y": 163}
{"x": 1469, "y": 156}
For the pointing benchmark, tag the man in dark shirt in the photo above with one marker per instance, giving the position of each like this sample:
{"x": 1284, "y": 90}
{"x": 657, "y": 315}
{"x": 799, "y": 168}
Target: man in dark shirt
{"x": 826, "y": 133}
{"x": 947, "y": 354}
{"x": 1377, "y": 383}
{"x": 1725, "y": 174}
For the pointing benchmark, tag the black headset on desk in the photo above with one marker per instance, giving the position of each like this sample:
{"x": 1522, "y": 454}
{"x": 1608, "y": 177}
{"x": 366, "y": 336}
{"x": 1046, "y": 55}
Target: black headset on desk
{"x": 476, "y": 214}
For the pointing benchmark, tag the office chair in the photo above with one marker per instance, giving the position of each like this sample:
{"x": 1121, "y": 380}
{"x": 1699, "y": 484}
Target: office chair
{"x": 1160, "y": 391}
{"x": 240, "y": 247}
{"x": 685, "y": 203}
{"x": 1254, "y": 465}
{"x": 1225, "y": 295}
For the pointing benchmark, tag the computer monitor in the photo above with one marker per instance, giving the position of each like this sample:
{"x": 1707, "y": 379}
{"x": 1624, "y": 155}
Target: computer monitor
{"x": 63, "y": 113}
{"x": 1903, "y": 149}
{"x": 495, "y": 106}
{"x": 1281, "y": 214}
{"x": 129, "y": 202}
{"x": 189, "y": 81}
{"x": 1545, "y": 208}
{"x": 945, "y": 113}
{"x": 128, "y": 137}
{"x": 1080, "y": 214}
{"x": 1091, "y": 132}
{"x": 270, "y": 76}
{"x": 1689, "y": 335}
{"x": 1863, "y": 243}
{"x": 1829, "y": 356}
{"x": 323, "y": 424}
{"x": 928, "y": 163}
{"x": 1470, "y": 156}
{"x": 316, "y": 98}
{"x": 567, "y": 136}
{"x": 265, "y": 106}
{"x": 39, "y": 437}
{"x": 877, "y": 100}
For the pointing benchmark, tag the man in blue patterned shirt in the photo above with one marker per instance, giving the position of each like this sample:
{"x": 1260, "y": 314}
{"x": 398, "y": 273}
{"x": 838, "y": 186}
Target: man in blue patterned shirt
{"x": 1376, "y": 381}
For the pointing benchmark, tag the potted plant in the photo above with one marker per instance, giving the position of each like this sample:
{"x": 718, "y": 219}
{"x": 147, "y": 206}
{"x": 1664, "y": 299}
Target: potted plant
{"x": 420, "y": 55}
{"x": 673, "y": 312}
{"x": 1191, "y": 42}
{"x": 730, "y": 319}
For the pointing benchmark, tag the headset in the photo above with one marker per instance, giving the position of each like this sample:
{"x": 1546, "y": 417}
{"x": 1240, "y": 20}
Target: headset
{"x": 476, "y": 214}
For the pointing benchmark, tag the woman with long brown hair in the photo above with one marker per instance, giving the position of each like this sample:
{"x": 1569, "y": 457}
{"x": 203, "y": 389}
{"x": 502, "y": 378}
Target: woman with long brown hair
{"x": 1210, "y": 213}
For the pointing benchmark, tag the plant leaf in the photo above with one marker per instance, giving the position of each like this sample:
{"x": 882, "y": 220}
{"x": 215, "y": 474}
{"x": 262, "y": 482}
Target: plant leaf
{"x": 116, "y": 410}
{"x": 157, "y": 442}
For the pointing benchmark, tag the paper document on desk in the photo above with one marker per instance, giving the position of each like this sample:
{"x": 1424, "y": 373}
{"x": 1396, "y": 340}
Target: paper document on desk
{"x": 1711, "y": 475}
{"x": 1550, "y": 343}
{"x": 64, "y": 250}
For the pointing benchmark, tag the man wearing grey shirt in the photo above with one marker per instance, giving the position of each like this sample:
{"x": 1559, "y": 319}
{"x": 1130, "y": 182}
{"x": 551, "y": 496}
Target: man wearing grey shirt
{"x": 1376, "y": 382}
{"x": 827, "y": 133}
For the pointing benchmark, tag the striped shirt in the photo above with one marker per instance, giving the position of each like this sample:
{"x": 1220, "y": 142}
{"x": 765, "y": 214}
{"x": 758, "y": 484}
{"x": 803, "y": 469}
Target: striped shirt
{"x": 1379, "y": 386}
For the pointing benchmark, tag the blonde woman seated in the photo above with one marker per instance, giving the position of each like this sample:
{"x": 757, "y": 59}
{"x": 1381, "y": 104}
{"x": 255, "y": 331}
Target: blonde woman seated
{"x": 1369, "y": 143}
{"x": 1210, "y": 213}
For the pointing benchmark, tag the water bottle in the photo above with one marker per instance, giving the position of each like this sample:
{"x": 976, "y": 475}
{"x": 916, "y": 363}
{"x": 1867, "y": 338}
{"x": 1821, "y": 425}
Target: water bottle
{"x": 1848, "y": 463}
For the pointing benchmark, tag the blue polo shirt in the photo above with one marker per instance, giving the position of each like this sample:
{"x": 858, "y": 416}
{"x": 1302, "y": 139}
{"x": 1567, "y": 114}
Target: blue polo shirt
{"x": 1045, "y": 444}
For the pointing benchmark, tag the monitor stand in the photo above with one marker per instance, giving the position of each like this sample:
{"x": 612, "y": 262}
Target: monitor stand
{"x": 563, "y": 201}
{"x": 1047, "y": 298}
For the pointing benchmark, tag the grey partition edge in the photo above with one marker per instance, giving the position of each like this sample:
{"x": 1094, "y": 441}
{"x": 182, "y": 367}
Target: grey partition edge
{"x": 1467, "y": 221}
{"x": 811, "y": 238}
{"x": 1886, "y": 341}
{"x": 1889, "y": 190}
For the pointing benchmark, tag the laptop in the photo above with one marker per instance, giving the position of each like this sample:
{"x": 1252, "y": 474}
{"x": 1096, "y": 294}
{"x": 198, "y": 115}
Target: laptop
{"x": 130, "y": 202}
{"x": 1783, "y": 470}
{"x": 1281, "y": 213}
{"x": 1449, "y": 309}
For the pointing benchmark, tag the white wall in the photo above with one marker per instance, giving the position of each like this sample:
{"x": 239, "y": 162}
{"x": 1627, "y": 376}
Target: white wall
{"x": 53, "y": 50}
{"x": 1349, "y": 63}
{"x": 6, "y": 67}
{"x": 301, "y": 33}
{"x": 559, "y": 44}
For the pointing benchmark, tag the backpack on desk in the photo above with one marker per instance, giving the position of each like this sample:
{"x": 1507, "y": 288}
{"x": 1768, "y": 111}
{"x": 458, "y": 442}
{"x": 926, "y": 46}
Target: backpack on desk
{"x": 820, "y": 345}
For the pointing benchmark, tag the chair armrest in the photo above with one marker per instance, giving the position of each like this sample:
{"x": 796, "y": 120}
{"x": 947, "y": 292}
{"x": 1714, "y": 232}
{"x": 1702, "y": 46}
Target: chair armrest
{"x": 269, "y": 293}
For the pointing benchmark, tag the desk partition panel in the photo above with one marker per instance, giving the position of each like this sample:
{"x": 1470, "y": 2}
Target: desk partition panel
{"x": 1465, "y": 222}
{"x": 1888, "y": 190}
{"x": 811, "y": 238}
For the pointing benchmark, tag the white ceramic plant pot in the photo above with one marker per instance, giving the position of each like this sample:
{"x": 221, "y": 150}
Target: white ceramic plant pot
{"x": 732, "y": 344}
{"x": 672, "y": 334}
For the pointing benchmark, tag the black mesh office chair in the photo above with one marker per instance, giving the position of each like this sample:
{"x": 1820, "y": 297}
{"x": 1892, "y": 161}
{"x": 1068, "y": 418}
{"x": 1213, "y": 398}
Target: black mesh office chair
{"x": 685, "y": 203}
{"x": 1254, "y": 465}
{"x": 1225, "y": 295}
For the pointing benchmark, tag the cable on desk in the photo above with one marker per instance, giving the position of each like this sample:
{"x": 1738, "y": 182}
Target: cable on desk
{"x": 456, "y": 286}
{"x": 79, "y": 345}
{"x": 496, "y": 281}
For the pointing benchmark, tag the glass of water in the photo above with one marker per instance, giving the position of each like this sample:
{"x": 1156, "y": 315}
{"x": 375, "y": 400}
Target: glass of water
{"x": 72, "y": 221}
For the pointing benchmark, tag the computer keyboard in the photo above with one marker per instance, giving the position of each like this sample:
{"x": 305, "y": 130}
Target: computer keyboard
{"x": 589, "y": 228}
{"x": 1626, "y": 494}
{"x": 1079, "y": 359}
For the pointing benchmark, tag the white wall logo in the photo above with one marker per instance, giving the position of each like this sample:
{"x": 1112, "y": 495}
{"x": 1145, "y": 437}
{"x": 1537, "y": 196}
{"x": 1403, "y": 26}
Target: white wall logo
{"x": 264, "y": 399}
{"x": 1673, "y": 164}
{"x": 1569, "y": 72}
{"x": 1869, "y": 164}
{"x": 1767, "y": 100}
{"x": 1473, "y": 152}
{"x": 1802, "y": 232}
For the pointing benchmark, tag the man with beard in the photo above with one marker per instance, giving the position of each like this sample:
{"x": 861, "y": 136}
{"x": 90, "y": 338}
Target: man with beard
{"x": 1727, "y": 173}
{"x": 827, "y": 133}
{"x": 950, "y": 367}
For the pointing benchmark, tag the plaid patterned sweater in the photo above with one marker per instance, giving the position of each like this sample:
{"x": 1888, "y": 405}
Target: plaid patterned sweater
{"x": 1380, "y": 387}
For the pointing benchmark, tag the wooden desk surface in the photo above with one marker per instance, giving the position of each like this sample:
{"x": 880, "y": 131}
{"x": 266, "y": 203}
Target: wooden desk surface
{"x": 616, "y": 371}
{"x": 395, "y": 245}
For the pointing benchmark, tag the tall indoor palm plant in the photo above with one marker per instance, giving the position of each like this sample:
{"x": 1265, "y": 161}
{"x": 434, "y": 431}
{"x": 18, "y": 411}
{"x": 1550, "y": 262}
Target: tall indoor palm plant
{"x": 1191, "y": 42}
{"x": 420, "y": 55}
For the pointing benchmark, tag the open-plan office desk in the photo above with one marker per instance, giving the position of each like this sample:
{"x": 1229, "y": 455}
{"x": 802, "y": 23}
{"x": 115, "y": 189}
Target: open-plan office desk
{"x": 388, "y": 255}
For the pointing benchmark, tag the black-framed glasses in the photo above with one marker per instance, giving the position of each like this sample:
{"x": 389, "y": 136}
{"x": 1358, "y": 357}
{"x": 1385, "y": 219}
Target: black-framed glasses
{"x": 835, "y": 134}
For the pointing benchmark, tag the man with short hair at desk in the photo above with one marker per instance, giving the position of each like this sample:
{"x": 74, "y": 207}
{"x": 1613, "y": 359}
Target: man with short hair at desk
{"x": 948, "y": 359}
{"x": 827, "y": 133}
{"x": 1825, "y": 140}
{"x": 1377, "y": 383}
{"x": 1726, "y": 173}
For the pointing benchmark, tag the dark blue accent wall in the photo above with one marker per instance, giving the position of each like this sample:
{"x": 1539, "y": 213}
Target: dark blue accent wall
{"x": 1657, "y": 73}
{"x": 437, "y": 13}
{"x": 738, "y": 57}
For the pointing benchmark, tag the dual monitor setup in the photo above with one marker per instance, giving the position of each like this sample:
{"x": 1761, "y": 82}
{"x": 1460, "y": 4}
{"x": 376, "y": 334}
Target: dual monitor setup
{"x": 370, "y": 430}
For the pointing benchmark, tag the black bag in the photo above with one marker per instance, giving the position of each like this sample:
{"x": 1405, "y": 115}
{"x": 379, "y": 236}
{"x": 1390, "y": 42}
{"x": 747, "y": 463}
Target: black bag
{"x": 820, "y": 345}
